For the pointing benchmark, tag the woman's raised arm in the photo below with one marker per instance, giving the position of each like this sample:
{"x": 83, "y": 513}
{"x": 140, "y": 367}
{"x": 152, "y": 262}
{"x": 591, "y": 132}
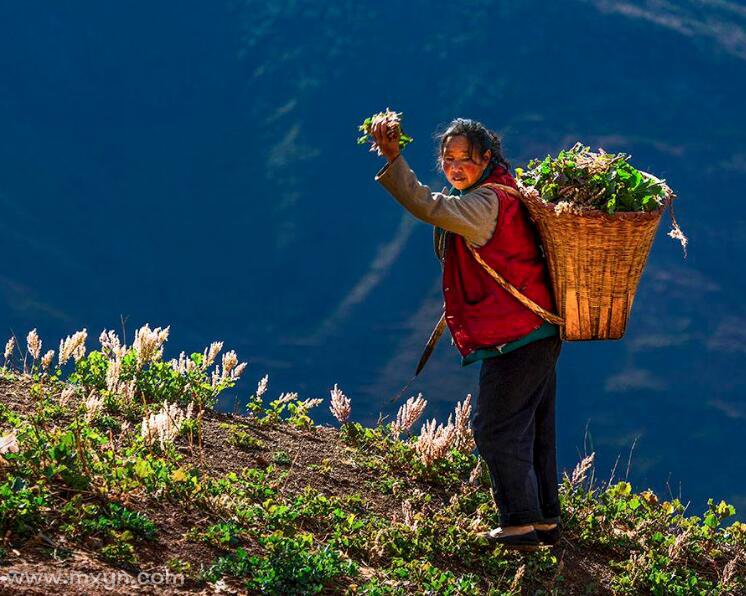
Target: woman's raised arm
{"x": 472, "y": 215}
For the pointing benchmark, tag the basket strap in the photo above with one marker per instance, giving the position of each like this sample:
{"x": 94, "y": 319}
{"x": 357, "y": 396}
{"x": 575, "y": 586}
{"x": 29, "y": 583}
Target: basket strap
{"x": 509, "y": 189}
{"x": 504, "y": 283}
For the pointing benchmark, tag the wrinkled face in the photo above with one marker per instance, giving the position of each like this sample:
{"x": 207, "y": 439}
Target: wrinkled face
{"x": 461, "y": 168}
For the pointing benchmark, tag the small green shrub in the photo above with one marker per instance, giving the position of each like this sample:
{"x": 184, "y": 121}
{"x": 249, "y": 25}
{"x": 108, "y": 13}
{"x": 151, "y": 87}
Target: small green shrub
{"x": 120, "y": 552}
{"x": 291, "y": 566}
{"x": 220, "y": 535}
{"x": 241, "y": 438}
{"x": 115, "y": 518}
{"x": 281, "y": 458}
{"x": 21, "y": 506}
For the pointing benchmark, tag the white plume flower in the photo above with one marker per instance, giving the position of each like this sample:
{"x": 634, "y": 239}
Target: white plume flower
{"x": 210, "y": 353}
{"x": 464, "y": 438}
{"x": 311, "y": 403}
{"x": 112, "y": 374}
{"x": 110, "y": 344}
{"x": 67, "y": 394}
{"x": 408, "y": 414}
{"x": 9, "y": 347}
{"x": 73, "y": 346}
{"x": 47, "y": 359}
{"x": 287, "y": 397}
{"x": 33, "y": 342}
{"x": 148, "y": 343}
{"x": 164, "y": 426}
{"x": 93, "y": 406}
{"x": 341, "y": 406}
{"x": 231, "y": 370}
{"x": 435, "y": 440}
{"x": 261, "y": 387}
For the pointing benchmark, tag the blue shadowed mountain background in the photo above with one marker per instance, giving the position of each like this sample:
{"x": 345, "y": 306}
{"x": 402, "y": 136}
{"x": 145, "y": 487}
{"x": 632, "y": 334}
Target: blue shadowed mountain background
{"x": 194, "y": 164}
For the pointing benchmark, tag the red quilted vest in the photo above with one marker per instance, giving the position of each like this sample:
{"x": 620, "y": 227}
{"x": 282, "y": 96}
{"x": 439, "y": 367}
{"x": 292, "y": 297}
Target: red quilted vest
{"x": 480, "y": 313}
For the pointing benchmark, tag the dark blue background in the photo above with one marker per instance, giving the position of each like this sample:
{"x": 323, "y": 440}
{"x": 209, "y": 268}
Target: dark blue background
{"x": 194, "y": 164}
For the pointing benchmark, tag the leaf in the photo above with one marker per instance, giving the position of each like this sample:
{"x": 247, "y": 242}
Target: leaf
{"x": 722, "y": 510}
{"x": 636, "y": 179}
{"x": 143, "y": 469}
{"x": 649, "y": 497}
{"x": 179, "y": 475}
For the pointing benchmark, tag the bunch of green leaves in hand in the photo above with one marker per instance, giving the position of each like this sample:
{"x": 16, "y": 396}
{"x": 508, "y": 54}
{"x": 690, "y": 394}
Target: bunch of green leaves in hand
{"x": 588, "y": 180}
{"x": 392, "y": 119}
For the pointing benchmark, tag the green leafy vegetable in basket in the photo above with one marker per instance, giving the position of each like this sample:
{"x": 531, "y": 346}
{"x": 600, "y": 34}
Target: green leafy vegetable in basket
{"x": 391, "y": 118}
{"x": 579, "y": 180}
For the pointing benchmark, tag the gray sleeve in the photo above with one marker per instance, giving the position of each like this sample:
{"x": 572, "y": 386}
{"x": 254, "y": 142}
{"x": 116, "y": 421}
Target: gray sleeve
{"x": 472, "y": 215}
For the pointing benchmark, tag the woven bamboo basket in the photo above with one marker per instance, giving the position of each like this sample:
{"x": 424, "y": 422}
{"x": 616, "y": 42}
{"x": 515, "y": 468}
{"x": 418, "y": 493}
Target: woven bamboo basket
{"x": 595, "y": 262}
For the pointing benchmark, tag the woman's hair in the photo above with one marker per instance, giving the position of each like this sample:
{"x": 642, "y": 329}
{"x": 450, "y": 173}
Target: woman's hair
{"x": 479, "y": 137}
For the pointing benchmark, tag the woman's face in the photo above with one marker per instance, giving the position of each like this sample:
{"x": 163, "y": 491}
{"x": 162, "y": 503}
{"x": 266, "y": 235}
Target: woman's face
{"x": 459, "y": 165}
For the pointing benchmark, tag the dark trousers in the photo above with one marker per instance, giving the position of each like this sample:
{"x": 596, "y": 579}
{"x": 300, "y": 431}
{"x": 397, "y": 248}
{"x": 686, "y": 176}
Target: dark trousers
{"x": 514, "y": 428}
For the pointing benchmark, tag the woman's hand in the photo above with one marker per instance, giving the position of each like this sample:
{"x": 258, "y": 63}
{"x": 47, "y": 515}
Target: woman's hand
{"x": 387, "y": 137}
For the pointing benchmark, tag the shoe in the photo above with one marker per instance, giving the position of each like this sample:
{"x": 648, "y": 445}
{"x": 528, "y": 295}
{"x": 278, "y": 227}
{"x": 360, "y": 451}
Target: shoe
{"x": 549, "y": 537}
{"x": 528, "y": 541}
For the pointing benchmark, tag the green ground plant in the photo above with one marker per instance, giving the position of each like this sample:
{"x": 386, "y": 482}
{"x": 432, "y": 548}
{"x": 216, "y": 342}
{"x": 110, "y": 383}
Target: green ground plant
{"x": 118, "y": 453}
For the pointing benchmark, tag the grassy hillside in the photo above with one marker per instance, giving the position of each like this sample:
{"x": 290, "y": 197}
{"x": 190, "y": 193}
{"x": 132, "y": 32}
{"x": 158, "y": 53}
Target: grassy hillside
{"x": 116, "y": 469}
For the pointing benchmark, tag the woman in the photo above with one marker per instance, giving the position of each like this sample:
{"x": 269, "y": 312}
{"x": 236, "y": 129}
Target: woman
{"x": 514, "y": 422}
